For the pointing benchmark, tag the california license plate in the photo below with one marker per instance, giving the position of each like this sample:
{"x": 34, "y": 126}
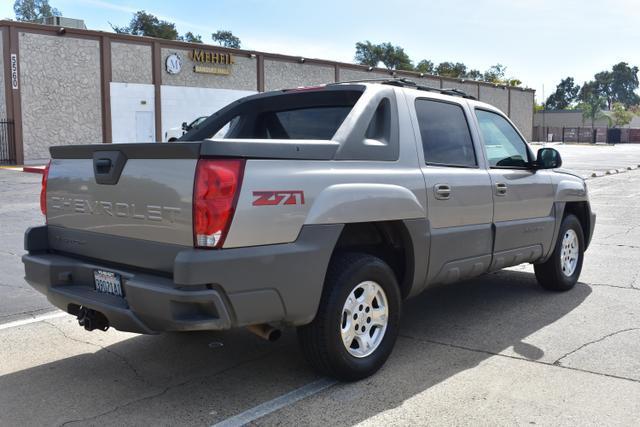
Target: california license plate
{"x": 107, "y": 282}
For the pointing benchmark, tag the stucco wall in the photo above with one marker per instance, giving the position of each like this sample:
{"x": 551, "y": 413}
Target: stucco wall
{"x": 470, "y": 88}
{"x": 281, "y": 75}
{"x": 522, "y": 111}
{"x": 131, "y": 63}
{"x": 347, "y": 74}
{"x": 243, "y": 74}
{"x": 3, "y": 104}
{"x": 496, "y": 96}
{"x": 60, "y": 92}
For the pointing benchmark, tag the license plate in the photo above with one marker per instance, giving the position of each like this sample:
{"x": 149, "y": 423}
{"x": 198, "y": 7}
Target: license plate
{"x": 107, "y": 282}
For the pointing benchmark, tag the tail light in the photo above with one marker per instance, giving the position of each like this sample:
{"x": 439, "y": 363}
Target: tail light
{"x": 215, "y": 195}
{"x": 43, "y": 190}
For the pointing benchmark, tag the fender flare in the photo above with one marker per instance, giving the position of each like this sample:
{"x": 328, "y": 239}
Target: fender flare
{"x": 364, "y": 202}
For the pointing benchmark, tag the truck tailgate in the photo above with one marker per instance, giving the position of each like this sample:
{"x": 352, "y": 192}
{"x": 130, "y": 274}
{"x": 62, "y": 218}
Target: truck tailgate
{"x": 151, "y": 199}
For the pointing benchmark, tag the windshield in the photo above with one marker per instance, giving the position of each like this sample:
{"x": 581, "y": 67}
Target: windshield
{"x": 197, "y": 121}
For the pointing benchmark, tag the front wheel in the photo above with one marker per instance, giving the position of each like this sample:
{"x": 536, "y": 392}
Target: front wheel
{"x": 357, "y": 322}
{"x": 562, "y": 270}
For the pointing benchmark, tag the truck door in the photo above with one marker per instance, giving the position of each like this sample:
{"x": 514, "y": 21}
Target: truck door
{"x": 459, "y": 199}
{"x": 523, "y": 197}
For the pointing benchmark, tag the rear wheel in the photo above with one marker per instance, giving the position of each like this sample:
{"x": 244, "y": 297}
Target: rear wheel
{"x": 562, "y": 270}
{"x": 357, "y": 322}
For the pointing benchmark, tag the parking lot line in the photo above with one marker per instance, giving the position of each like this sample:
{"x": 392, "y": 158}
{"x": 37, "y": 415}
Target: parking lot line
{"x": 273, "y": 405}
{"x": 36, "y": 319}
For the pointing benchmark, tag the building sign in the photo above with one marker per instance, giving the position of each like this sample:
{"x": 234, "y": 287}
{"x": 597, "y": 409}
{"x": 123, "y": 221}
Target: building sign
{"x": 14, "y": 71}
{"x": 173, "y": 63}
{"x": 211, "y": 62}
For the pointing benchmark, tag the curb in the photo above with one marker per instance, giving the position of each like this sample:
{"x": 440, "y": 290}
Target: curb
{"x": 600, "y": 174}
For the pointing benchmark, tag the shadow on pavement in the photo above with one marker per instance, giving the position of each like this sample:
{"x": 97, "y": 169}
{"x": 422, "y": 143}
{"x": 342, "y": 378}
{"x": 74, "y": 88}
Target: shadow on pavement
{"x": 178, "y": 378}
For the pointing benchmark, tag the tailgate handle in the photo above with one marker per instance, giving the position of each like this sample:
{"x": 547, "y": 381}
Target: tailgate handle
{"x": 103, "y": 166}
{"x": 108, "y": 166}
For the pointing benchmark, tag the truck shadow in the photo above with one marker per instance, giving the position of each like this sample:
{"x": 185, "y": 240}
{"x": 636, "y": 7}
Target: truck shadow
{"x": 191, "y": 379}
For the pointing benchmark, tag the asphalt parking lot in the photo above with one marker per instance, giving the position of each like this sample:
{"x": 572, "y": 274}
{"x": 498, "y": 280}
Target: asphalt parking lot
{"x": 494, "y": 350}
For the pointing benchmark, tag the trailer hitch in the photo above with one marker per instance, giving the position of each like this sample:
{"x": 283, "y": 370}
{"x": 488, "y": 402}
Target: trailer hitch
{"x": 91, "y": 319}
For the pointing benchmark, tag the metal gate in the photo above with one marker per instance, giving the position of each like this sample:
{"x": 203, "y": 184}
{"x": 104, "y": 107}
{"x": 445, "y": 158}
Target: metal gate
{"x": 7, "y": 143}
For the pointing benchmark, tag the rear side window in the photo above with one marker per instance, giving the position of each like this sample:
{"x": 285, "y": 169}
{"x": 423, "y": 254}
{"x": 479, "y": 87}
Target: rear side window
{"x": 446, "y": 139}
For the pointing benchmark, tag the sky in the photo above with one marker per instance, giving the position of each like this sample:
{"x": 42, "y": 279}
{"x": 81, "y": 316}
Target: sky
{"x": 539, "y": 41}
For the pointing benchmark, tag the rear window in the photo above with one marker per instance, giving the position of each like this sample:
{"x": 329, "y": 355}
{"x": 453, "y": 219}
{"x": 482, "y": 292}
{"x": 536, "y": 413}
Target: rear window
{"x": 302, "y": 123}
{"x": 305, "y": 114}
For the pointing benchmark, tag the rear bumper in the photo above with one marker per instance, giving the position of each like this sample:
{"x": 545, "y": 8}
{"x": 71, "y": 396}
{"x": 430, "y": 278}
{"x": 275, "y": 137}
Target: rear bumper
{"x": 208, "y": 290}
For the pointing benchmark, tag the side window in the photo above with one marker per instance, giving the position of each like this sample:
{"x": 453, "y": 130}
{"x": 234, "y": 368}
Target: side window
{"x": 504, "y": 147}
{"x": 446, "y": 139}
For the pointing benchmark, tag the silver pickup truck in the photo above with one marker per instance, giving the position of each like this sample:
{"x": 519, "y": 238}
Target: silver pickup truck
{"x": 321, "y": 207}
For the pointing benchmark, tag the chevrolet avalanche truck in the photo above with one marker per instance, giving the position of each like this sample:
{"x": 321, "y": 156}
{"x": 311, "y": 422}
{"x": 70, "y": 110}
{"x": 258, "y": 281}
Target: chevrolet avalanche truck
{"x": 322, "y": 208}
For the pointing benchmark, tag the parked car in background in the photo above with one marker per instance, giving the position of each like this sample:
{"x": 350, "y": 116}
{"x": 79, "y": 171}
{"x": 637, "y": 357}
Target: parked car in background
{"x": 174, "y": 133}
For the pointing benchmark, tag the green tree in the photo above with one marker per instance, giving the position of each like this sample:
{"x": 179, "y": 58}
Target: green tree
{"x": 368, "y": 53}
{"x": 624, "y": 83}
{"x": 621, "y": 116}
{"x": 473, "y": 75}
{"x": 425, "y": 66}
{"x": 565, "y": 95}
{"x": 495, "y": 74}
{"x": 394, "y": 57}
{"x": 226, "y": 38}
{"x": 191, "y": 38}
{"x": 592, "y": 102}
{"x": 146, "y": 24}
{"x": 31, "y": 10}
{"x": 618, "y": 85}
{"x": 450, "y": 69}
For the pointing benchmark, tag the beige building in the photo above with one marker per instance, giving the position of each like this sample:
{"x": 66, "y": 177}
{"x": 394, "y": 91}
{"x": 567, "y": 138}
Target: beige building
{"x": 73, "y": 86}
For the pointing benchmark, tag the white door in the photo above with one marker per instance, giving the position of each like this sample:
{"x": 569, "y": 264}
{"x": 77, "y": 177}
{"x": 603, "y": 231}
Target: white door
{"x": 144, "y": 126}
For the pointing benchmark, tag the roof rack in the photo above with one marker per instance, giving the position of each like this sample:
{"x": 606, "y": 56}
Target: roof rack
{"x": 403, "y": 82}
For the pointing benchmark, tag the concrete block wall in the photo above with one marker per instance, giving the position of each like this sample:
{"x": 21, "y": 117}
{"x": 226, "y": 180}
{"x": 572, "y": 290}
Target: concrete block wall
{"x": 281, "y": 74}
{"x": 60, "y": 87}
{"x": 131, "y": 63}
{"x": 521, "y": 111}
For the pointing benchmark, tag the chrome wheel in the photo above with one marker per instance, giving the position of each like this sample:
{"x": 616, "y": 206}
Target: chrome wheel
{"x": 570, "y": 252}
{"x": 365, "y": 315}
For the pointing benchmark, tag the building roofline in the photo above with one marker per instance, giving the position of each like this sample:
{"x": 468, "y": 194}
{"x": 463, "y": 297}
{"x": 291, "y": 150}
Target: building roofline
{"x": 54, "y": 30}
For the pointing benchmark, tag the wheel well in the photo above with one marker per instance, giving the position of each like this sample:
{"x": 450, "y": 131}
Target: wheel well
{"x": 581, "y": 211}
{"x": 172, "y": 139}
{"x": 388, "y": 240}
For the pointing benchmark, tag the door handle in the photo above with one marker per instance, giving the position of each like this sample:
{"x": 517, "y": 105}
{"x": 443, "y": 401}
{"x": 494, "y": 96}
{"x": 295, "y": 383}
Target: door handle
{"x": 501, "y": 189}
{"x": 442, "y": 191}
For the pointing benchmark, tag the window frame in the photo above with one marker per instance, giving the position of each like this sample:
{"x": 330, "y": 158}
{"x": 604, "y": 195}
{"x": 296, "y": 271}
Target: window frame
{"x": 466, "y": 119}
{"x": 530, "y": 158}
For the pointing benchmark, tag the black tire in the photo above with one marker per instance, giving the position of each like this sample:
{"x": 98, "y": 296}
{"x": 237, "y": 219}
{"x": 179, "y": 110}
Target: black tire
{"x": 321, "y": 340}
{"x": 550, "y": 274}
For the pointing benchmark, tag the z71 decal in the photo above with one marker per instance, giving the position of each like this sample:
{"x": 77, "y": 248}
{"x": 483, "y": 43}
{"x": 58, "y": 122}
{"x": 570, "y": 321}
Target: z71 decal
{"x": 274, "y": 198}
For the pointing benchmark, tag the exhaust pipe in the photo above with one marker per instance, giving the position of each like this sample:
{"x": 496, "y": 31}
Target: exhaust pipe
{"x": 265, "y": 331}
{"x": 91, "y": 319}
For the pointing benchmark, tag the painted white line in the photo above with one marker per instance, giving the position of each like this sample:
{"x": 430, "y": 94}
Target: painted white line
{"x": 35, "y": 319}
{"x": 278, "y": 403}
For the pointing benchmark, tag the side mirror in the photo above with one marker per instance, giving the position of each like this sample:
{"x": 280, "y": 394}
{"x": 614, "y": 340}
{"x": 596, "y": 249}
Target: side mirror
{"x": 548, "y": 158}
{"x": 185, "y": 126}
